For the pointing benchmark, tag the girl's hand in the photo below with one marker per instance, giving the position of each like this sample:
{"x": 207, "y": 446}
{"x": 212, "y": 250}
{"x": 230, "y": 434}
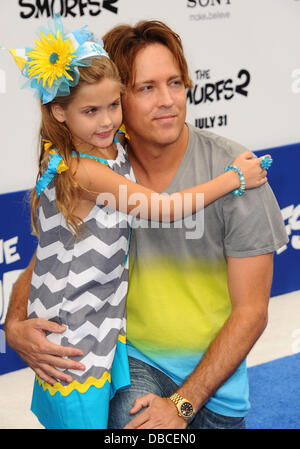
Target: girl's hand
{"x": 254, "y": 175}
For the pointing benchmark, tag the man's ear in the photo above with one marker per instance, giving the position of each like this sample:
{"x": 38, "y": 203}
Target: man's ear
{"x": 58, "y": 112}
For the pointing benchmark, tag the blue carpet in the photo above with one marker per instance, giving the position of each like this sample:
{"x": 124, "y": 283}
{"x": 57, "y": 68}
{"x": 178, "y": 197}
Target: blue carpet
{"x": 275, "y": 394}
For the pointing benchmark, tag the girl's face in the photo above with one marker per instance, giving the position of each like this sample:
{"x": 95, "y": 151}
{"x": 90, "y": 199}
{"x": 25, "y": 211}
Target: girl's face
{"x": 93, "y": 116}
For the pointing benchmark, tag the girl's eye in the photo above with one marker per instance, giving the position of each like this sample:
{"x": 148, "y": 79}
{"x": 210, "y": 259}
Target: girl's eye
{"x": 115, "y": 104}
{"x": 91, "y": 111}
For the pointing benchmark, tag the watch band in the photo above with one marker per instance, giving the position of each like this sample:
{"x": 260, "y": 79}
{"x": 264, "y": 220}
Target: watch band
{"x": 178, "y": 400}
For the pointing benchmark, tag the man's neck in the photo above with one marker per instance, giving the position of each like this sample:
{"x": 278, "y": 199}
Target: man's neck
{"x": 156, "y": 165}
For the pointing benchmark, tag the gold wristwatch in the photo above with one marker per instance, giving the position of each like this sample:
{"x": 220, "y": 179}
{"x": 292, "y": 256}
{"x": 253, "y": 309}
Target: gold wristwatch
{"x": 184, "y": 407}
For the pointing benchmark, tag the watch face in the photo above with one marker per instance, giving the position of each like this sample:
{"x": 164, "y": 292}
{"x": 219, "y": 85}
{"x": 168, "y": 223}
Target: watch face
{"x": 186, "y": 409}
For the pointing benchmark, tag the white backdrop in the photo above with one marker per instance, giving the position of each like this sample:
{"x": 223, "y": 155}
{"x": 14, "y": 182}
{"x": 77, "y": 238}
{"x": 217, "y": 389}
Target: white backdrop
{"x": 244, "y": 59}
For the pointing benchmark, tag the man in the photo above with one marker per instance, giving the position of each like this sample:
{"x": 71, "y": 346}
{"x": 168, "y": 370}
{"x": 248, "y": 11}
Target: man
{"x": 195, "y": 306}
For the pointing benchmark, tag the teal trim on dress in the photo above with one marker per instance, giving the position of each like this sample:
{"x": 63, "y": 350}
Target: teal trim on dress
{"x": 49, "y": 174}
{"x": 51, "y": 171}
{"x": 99, "y": 159}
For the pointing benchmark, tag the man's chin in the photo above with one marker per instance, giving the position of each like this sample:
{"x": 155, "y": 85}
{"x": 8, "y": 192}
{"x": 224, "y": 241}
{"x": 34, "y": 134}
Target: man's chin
{"x": 171, "y": 137}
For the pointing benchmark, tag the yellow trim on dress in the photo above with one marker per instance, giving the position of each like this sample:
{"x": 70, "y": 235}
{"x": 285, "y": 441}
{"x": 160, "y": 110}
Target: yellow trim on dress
{"x": 75, "y": 385}
{"x": 82, "y": 388}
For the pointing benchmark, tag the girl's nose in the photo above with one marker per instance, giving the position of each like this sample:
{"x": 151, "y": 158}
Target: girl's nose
{"x": 105, "y": 120}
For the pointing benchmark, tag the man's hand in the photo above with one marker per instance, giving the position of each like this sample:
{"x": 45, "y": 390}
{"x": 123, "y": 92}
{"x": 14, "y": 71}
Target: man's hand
{"x": 28, "y": 339}
{"x": 160, "y": 413}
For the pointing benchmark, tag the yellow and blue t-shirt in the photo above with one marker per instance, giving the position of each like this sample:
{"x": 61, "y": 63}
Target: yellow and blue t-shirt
{"x": 178, "y": 298}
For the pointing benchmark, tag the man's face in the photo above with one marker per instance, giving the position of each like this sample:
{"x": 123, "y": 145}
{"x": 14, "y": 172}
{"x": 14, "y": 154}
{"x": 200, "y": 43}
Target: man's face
{"x": 155, "y": 107}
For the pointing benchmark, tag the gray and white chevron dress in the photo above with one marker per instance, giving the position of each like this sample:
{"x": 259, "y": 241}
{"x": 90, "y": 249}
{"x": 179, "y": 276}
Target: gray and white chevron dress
{"x": 83, "y": 285}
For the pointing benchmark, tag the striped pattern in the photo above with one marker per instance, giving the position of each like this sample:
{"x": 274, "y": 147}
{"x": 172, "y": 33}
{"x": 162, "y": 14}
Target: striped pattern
{"x": 83, "y": 284}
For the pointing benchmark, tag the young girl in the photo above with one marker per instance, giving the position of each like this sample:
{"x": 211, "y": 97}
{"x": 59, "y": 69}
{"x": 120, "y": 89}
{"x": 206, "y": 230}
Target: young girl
{"x": 81, "y": 271}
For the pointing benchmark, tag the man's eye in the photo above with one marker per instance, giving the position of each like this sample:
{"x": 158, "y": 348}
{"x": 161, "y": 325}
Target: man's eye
{"x": 146, "y": 88}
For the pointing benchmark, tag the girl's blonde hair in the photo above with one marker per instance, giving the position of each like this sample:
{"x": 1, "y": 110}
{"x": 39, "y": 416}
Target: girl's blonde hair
{"x": 66, "y": 187}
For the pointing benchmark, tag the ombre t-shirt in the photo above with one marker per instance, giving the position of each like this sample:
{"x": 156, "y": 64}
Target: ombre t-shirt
{"x": 178, "y": 296}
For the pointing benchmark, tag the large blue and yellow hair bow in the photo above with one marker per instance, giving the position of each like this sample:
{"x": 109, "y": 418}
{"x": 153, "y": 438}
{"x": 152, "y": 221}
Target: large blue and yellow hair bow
{"x": 52, "y": 66}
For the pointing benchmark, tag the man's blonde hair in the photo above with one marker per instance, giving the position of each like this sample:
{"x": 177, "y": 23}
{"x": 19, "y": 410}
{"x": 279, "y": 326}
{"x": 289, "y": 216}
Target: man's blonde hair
{"x": 124, "y": 42}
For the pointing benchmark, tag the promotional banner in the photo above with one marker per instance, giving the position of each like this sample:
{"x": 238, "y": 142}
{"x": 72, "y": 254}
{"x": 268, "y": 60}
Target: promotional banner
{"x": 284, "y": 180}
{"x": 17, "y": 246}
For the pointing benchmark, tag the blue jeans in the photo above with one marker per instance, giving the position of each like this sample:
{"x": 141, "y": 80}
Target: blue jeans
{"x": 146, "y": 379}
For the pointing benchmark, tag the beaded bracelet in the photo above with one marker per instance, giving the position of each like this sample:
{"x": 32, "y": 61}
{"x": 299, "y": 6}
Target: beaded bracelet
{"x": 241, "y": 189}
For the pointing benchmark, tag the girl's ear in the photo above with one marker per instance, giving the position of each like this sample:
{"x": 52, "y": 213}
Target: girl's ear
{"x": 58, "y": 112}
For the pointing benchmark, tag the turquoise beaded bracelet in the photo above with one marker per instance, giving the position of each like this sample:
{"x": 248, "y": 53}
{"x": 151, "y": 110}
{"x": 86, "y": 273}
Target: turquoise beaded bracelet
{"x": 265, "y": 164}
{"x": 241, "y": 189}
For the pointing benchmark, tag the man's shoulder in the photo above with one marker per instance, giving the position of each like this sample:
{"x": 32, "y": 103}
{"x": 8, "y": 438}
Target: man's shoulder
{"x": 214, "y": 143}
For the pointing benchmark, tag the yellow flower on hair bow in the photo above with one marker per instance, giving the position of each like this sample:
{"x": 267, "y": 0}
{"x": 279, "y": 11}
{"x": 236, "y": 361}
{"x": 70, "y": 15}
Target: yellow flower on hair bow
{"x": 52, "y": 66}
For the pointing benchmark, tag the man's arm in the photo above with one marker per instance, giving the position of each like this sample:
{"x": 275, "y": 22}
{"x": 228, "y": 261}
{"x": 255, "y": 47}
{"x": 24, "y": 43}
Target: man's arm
{"x": 28, "y": 338}
{"x": 249, "y": 284}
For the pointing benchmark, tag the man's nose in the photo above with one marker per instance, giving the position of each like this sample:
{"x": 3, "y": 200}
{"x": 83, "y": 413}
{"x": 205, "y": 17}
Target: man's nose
{"x": 165, "y": 97}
